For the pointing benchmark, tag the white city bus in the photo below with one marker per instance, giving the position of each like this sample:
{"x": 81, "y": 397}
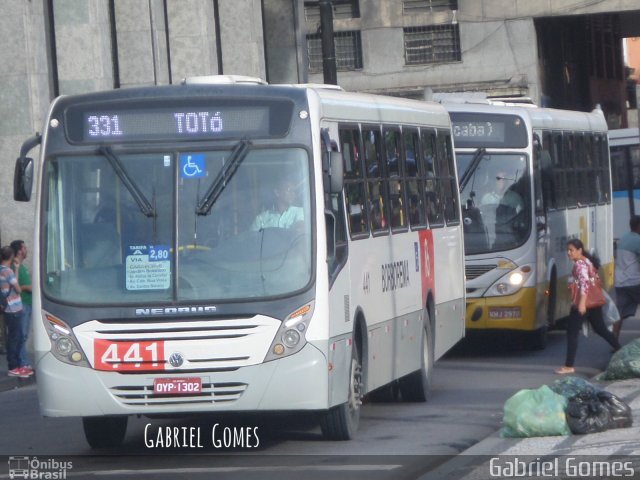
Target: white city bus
{"x": 530, "y": 179}
{"x": 216, "y": 247}
{"x": 624, "y": 145}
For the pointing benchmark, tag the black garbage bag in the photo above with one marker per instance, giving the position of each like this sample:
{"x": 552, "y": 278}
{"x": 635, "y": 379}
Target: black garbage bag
{"x": 621, "y": 416}
{"x": 587, "y": 414}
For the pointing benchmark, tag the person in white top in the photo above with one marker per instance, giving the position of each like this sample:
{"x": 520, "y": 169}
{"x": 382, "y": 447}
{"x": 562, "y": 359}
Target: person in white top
{"x": 282, "y": 214}
{"x": 627, "y": 273}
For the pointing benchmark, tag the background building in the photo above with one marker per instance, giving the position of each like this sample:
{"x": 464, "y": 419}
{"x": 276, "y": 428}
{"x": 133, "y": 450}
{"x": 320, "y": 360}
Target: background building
{"x": 561, "y": 53}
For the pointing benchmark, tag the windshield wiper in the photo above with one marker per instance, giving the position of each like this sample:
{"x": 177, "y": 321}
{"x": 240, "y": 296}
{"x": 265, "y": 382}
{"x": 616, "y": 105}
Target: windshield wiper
{"x": 238, "y": 153}
{"x": 145, "y": 207}
{"x": 468, "y": 173}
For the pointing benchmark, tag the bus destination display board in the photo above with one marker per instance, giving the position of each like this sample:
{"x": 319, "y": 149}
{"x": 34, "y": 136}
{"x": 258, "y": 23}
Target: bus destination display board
{"x": 481, "y": 130}
{"x": 158, "y": 121}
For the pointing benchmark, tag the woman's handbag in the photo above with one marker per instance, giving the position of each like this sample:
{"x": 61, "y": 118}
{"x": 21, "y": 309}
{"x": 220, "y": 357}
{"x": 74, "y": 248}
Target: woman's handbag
{"x": 595, "y": 297}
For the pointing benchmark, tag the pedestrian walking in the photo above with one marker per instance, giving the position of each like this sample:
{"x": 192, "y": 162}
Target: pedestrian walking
{"x": 584, "y": 269}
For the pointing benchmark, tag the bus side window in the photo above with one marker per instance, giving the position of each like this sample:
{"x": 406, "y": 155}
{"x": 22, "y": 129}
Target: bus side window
{"x": 568, "y": 161}
{"x": 354, "y": 186}
{"x": 547, "y": 178}
{"x": 559, "y": 171}
{"x": 414, "y": 183}
{"x": 431, "y": 182}
{"x": 394, "y": 174}
{"x": 375, "y": 185}
{"x": 448, "y": 178}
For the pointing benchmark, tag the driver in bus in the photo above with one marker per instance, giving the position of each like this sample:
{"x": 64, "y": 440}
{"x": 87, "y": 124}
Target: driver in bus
{"x": 503, "y": 196}
{"x": 282, "y": 213}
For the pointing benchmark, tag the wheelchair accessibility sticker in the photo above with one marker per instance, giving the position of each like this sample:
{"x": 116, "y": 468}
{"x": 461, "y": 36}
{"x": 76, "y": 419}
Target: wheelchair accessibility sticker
{"x": 192, "y": 165}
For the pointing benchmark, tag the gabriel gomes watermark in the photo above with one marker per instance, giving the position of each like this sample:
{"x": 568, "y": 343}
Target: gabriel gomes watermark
{"x": 34, "y": 468}
{"x": 567, "y": 467}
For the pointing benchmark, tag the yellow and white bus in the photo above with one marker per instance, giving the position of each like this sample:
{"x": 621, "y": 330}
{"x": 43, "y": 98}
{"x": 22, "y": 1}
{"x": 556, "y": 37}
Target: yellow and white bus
{"x": 226, "y": 245}
{"x": 530, "y": 179}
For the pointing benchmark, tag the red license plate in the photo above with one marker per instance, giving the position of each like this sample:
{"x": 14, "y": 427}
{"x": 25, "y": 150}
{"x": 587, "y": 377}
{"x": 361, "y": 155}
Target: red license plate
{"x": 177, "y": 386}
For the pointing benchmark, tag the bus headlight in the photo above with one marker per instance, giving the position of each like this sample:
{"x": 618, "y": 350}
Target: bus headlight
{"x": 510, "y": 282}
{"x": 290, "y": 337}
{"x": 64, "y": 345}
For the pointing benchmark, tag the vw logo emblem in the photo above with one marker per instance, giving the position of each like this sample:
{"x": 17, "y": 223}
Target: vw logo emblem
{"x": 176, "y": 359}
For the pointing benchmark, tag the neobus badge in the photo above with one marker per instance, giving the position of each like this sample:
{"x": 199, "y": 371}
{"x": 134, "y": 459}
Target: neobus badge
{"x": 174, "y": 310}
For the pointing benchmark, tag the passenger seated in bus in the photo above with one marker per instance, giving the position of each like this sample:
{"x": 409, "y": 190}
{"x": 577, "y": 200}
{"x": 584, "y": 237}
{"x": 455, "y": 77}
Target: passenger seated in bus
{"x": 281, "y": 213}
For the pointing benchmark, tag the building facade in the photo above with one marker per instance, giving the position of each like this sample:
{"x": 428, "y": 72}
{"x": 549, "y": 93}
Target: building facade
{"x": 560, "y": 53}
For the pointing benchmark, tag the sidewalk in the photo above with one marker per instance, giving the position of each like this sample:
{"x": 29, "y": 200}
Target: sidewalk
{"x": 559, "y": 454}
{"x": 9, "y": 383}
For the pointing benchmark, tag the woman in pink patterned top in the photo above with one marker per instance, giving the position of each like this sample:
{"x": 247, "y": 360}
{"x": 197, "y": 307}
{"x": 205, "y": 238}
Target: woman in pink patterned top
{"x": 579, "y": 311}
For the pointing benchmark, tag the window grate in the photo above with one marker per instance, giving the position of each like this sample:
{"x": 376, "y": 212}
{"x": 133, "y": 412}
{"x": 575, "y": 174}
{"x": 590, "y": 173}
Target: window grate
{"x": 431, "y": 44}
{"x": 348, "y": 46}
{"x": 410, "y": 7}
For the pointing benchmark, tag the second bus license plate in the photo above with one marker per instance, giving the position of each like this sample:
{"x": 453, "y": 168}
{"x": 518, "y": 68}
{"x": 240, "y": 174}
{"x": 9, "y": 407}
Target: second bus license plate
{"x": 177, "y": 386}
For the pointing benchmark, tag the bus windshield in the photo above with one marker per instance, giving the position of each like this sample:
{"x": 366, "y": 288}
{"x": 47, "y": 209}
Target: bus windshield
{"x": 217, "y": 225}
{"x": 496, "y": 201}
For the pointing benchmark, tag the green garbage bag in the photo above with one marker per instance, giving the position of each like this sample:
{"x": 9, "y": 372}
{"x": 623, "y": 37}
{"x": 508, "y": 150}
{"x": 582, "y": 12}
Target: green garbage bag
{"x": 535, "y": 413}
{"x": 625, "y": 363}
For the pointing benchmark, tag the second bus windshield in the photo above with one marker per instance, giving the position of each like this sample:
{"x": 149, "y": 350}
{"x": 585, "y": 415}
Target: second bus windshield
{"x": 496, "y": 202}
{"x": 204, "y": 236}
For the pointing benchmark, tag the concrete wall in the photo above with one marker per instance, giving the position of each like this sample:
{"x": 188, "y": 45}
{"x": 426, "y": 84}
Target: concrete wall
{"x": 24, "y": 99}
{"x": 147, "y": 55}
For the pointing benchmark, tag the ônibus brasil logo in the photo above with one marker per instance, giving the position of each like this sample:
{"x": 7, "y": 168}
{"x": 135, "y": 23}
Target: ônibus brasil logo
{"x": 34, "y": 468}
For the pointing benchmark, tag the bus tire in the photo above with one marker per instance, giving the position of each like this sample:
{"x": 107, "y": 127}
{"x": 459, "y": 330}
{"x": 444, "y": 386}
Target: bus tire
{"x": 416, "y": 387}
{"x": 341, "y": 422}
{"x": 104, "y": 432}
{"x": 537, "y": 340}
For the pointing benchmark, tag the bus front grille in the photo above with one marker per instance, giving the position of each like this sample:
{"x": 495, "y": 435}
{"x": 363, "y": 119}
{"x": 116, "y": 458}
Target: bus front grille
{"x": 474, "y": 271}
{"x": 212, "y": 393}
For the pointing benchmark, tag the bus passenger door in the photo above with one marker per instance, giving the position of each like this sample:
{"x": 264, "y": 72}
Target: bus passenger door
{"x": 541, "y": 192}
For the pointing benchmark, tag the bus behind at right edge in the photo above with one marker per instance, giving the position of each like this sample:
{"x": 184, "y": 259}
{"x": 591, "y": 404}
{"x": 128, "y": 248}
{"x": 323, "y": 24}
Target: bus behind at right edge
{"x": 624, "y": 145}
{"x": 530, "y": 179}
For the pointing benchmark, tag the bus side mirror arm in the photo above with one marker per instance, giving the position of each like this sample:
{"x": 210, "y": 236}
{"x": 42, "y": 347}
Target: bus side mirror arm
{"x": 23, "y": 173}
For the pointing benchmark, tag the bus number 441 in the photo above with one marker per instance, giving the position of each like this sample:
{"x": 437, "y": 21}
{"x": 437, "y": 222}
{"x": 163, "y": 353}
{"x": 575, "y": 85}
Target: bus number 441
{"x": 128, "y": 356}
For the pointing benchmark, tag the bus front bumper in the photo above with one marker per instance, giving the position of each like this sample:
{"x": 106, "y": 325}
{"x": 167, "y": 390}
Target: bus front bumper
{"x": 510, "y": 312}
{"x": 296, "y": 382}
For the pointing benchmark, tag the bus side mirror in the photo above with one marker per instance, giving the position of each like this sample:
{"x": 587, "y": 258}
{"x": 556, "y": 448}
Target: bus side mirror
{"x": 336, "y": 171}
{"x": 23, "y": 179}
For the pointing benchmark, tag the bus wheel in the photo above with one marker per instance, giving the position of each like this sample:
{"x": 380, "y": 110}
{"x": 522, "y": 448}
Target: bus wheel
{"x": 104, "y": 432}
{"x": 341, "y": 422}
{"x": 537, "y": 340}
{"x": 416, "y": 386}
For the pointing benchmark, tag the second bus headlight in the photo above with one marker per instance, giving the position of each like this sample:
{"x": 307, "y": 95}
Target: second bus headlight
{"x": 510, "y": 283}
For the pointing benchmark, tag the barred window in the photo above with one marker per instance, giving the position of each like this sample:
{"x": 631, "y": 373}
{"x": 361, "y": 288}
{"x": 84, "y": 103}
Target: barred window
{"x": 348, "y": 47}
{"x": 409, "y": 7}
{"x": 431, "y": 44}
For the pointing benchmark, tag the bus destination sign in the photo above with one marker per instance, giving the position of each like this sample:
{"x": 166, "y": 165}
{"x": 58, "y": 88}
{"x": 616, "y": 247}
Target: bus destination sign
{"x": 158, "y": 121}
{"x": 475, "y": 130}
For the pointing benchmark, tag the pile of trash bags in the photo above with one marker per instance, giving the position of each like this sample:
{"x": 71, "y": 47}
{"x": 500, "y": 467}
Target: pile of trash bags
{"x": 625, "y": 363}
{"x": 570, "y": 405}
